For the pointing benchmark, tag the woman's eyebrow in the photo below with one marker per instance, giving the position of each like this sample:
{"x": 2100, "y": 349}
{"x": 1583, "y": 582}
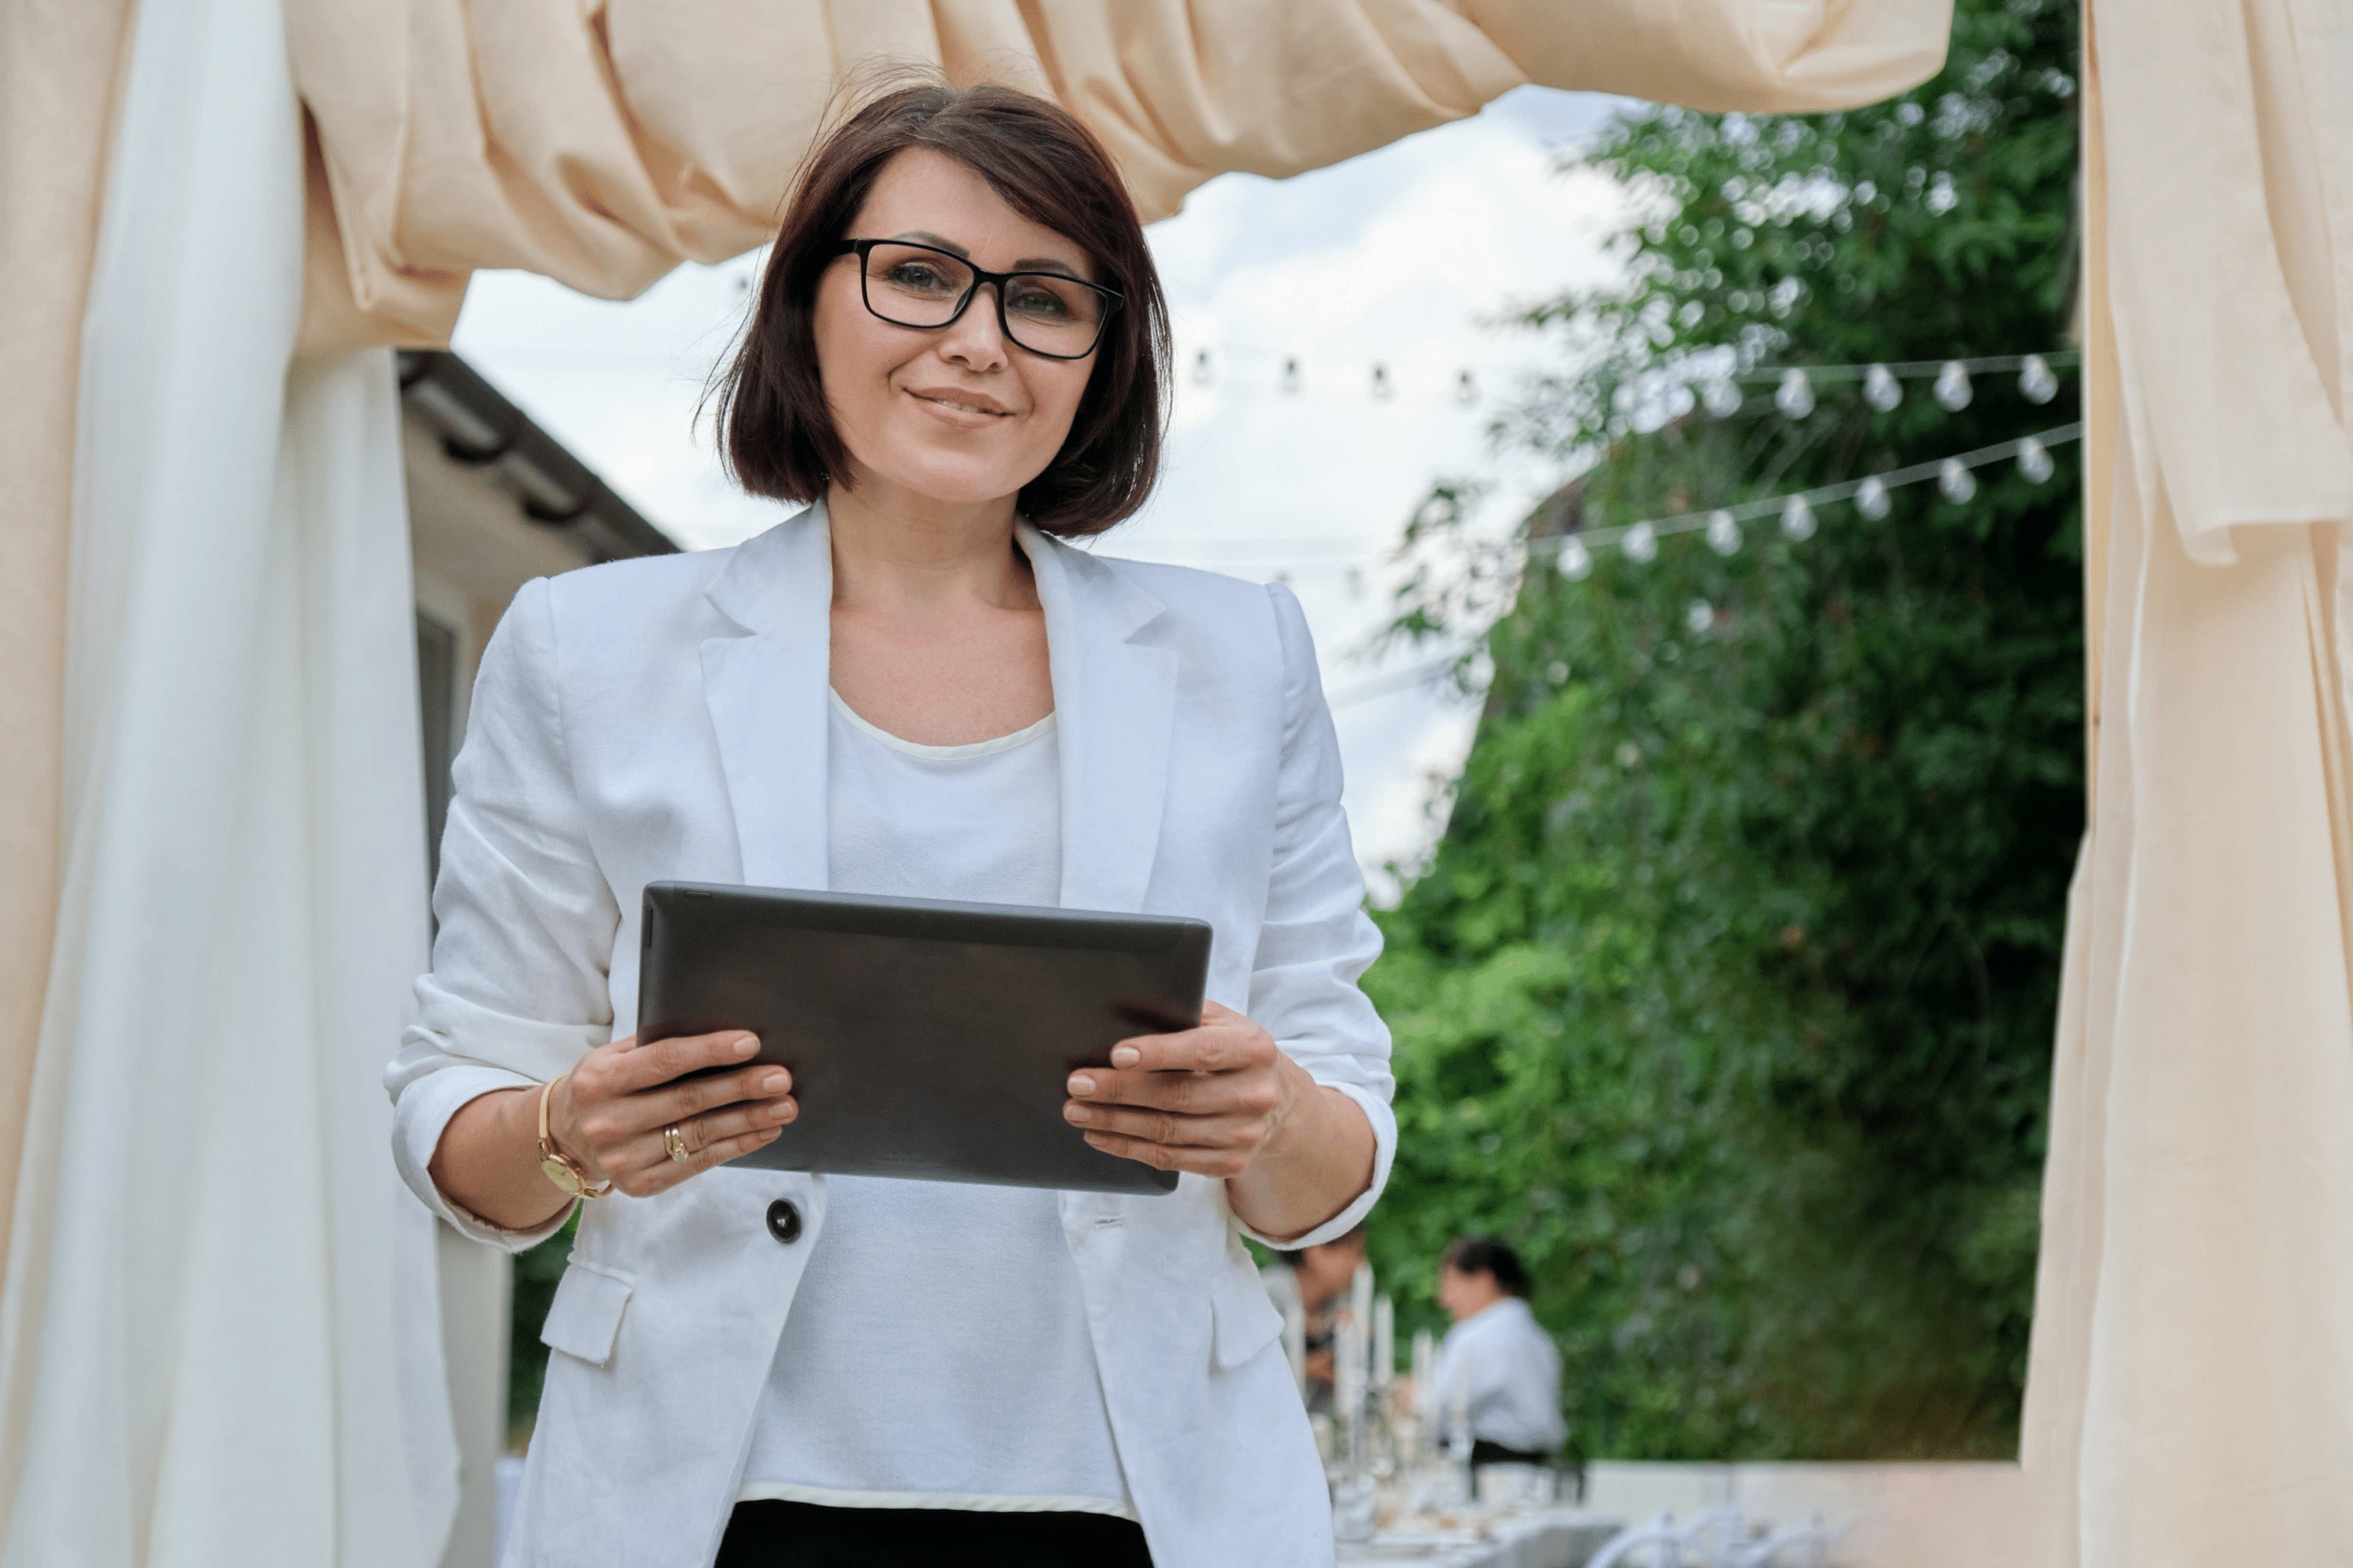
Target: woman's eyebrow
{"x": 1026, "y": 264}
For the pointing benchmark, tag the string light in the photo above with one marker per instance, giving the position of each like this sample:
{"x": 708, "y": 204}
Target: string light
{"x": 2034, "y": 461}
{"x": 1881, "y": 389}
{"x": 1797, "y": 388}
{"x": 1640, "y": 540}
{"x": 2036, "y": 383}
{"x": 1952, "y": 386}
{"x": 1723, "y": 531}
{"x": 1794, "y": 396}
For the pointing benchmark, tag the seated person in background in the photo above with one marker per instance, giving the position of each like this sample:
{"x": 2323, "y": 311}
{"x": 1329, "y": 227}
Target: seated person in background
{"x": 1315, "y": 1281}
{"x": 1497, "y": 1367}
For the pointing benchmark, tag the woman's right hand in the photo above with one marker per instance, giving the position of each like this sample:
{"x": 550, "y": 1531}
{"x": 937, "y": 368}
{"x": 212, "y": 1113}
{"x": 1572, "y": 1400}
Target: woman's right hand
{"x": 610, "y": 1112}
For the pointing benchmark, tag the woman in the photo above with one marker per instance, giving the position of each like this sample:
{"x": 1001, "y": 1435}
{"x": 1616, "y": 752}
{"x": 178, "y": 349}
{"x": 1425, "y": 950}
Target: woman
{"x": 960, "y": 357}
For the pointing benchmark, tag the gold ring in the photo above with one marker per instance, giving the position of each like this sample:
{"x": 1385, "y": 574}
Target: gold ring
{"x": 675, "y": 1143}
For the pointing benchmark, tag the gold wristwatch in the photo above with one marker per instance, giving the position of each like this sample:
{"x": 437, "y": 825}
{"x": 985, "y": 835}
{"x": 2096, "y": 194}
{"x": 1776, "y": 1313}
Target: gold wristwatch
{"x": 557, "y": 1166}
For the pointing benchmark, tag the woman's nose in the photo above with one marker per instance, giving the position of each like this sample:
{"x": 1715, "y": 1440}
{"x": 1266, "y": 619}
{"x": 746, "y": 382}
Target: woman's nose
{"x": 974, "y": 339}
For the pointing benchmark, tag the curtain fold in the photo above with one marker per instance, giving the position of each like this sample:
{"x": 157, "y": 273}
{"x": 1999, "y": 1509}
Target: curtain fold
{"x": 602, "y": 143}
{"x": 217, "y": 1300}
{"x": 59, "y": 64}
{"x": 2190, "y": 1396}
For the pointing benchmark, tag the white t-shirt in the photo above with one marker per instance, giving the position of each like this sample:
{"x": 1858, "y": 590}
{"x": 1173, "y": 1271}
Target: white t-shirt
{"x": 937, "y": 1355}
{"x": 1502, "y": 1365}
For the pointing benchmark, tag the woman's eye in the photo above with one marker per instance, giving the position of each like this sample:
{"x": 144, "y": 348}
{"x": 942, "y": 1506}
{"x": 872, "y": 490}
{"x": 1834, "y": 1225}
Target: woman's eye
{"x": 1039, "y": 302}
{"x": 915, "y": 275}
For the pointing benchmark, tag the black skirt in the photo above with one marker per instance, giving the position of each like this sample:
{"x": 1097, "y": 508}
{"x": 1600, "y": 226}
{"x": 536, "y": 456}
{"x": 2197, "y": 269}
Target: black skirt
{"x": 809, "y": 1535}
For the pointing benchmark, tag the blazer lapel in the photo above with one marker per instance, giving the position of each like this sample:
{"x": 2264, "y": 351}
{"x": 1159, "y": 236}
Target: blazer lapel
{"x": 1115, "y": 705}
{"x": 766, "y": 691}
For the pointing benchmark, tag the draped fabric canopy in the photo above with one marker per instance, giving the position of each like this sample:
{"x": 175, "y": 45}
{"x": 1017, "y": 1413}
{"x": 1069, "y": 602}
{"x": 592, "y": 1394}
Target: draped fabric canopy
{"x": 2190, "y": 1397}
{"x": 215, "y": 1331}
{"x": 603, "y": 142}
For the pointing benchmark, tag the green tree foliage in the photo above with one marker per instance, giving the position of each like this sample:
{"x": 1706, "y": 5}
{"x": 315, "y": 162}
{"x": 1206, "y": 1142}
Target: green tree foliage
{"x": 1728, "y": 995}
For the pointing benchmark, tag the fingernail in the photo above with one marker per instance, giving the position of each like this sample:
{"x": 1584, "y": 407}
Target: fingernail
{"x": 775, "y": 1083}
{"x": 1080, "y": 1084}
{"x": 769, "y": 1135}
{"x": 785, "y": 1111}
{"x": 1076, "y": 1113}
{"x": 1095, "y": 1139}
{"x": 747, "y": 1045}
{"x": 1125, "y": 1056}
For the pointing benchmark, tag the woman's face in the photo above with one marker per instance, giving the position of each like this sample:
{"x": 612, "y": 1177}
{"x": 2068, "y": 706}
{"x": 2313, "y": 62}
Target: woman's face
{"x": 955, "y": 414}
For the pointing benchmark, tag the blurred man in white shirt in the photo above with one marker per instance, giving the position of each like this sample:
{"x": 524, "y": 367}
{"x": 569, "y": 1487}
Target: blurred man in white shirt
{"x": 1497, "y": 1372}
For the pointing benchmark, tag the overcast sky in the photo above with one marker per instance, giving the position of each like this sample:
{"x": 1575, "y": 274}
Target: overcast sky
{"x": 1399, "y": 258}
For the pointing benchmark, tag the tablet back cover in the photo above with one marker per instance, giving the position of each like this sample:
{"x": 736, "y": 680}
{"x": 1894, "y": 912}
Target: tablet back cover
{"x": 926, "y": 1040}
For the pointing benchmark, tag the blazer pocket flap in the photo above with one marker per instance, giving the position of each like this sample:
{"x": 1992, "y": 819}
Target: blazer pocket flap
{"x": 1244, "y": 1321}
{"x": 585, "y": 1316}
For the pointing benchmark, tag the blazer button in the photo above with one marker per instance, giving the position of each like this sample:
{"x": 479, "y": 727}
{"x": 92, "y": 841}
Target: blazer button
{"x": 784, "y": 1221}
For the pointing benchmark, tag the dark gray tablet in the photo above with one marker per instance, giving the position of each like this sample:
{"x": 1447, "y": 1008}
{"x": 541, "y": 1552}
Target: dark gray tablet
{"x": 929, "y": 1041}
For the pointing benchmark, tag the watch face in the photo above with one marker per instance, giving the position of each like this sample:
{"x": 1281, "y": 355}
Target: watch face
{"x": 561, "y": 1175}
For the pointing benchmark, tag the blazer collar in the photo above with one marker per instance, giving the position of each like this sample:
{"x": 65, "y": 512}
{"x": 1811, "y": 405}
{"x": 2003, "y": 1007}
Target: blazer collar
{"x": 1115, "y": 704}
{"x": 766, "y": 692}
{"x": 1114, "y": 701}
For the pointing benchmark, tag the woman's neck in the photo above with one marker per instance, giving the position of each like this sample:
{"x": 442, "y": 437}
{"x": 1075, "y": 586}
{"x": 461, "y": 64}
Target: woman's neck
{"x": 897, "y": 552}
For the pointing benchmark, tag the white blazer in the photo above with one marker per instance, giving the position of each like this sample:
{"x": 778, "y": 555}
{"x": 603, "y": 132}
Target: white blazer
{"x": 666, "y": 719}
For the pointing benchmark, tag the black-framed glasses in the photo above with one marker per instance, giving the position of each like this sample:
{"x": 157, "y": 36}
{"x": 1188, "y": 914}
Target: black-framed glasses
{"x": 1049, "y": 313}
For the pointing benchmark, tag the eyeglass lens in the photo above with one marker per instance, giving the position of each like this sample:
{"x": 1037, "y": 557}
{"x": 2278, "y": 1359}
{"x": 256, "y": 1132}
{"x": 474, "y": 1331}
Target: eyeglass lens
{"x": 913, "y": 286}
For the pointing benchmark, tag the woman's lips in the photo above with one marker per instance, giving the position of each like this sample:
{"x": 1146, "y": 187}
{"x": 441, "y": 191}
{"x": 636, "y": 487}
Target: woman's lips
{"x": 957, "y": 413}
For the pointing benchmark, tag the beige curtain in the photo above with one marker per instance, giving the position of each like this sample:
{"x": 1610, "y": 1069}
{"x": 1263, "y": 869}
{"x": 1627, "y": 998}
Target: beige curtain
{"x": 2190, "y": 1392}
{"x": 59, "y": 64}
{"x": 601, "y": 143}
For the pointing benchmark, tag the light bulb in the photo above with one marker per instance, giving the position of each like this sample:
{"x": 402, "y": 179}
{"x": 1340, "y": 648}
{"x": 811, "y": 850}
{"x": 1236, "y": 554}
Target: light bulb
{"x": 1881, "y": 389}
{"x": 1291, "y": 378}
{"x": 1202, "y": 373}
{"x": 2034, "y": 461}
{"x": 2036, "y": 383}
{"x": 1699, "y": 616}
{"x": 1797, "y": 518}
{"x": 1872, "y": 499}
{"x": 1722, "y": 398}
{"x": 1576, "y": 561}
{"x": 1724, "y": 532}
{"x": 1794, "y": 396}
{"x": 1954, "y": 479}
{"x": 1641, "y": 542}
{"x": 1952, "y": 386}
{"x": 1381, "y": 390}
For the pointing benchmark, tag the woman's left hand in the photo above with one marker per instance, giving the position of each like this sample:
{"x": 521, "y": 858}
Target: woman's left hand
{"x": 1207, "y": 1099}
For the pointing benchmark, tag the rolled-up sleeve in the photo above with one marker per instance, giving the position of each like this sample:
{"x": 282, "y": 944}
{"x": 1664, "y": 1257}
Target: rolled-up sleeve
{"x": 518, "y": 992}
{"x": 1316, "y": 940}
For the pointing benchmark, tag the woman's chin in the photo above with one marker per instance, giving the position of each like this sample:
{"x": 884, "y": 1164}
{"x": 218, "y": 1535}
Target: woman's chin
{"x": 958, "y": 482}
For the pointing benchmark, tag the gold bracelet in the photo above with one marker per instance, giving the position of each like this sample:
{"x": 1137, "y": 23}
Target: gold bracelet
{"x": 568, "y": 1174}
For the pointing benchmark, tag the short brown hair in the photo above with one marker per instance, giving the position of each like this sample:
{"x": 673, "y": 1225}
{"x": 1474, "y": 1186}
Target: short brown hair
{"x": 1486, "y": 1255}
{"x": 776, "y": 431}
